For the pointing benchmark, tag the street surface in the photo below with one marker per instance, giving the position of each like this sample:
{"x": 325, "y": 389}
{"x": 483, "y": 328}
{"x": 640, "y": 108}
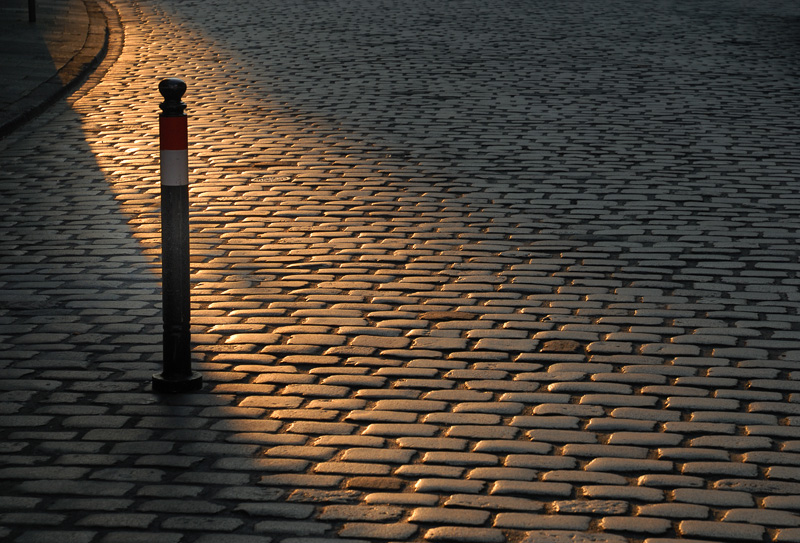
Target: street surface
{"x": 476, "y": 272}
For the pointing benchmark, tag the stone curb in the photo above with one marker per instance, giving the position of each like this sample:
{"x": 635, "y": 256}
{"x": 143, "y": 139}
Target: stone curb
{"x": 68, "y": 76}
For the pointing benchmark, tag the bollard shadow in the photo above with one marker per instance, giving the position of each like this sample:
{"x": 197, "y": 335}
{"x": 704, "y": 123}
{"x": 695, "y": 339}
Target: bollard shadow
{"x": 76, "y": 282}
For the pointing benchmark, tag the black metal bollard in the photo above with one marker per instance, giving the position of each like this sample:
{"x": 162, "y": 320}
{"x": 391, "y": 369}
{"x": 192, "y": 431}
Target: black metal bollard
{"x": 177, "y": 374}
{"x": 31, "y": 11}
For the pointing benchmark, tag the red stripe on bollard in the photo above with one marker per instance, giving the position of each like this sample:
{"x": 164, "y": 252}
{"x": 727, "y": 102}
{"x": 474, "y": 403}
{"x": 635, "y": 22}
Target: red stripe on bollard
{"x": 174, "y": 132}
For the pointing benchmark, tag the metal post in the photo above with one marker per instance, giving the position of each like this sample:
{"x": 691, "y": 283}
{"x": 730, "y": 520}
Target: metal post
{"x": 177, "y": 374}
{"x": 31, "y": 11}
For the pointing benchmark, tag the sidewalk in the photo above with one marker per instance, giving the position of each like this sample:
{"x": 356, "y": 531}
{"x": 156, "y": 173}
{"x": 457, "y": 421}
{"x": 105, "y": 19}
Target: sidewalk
{"x": 40, "y": 61}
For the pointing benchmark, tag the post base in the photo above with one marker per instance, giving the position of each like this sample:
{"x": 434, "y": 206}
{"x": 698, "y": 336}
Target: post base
{"x": 184, "y": 384}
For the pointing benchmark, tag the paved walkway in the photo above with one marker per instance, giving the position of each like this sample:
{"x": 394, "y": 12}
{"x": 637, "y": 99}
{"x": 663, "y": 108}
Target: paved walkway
{"x": 507, "y": 272}
{"x": 44, "y": 58}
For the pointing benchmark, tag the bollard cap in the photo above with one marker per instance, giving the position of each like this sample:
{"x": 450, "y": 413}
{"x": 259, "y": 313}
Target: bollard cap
{"x": 172, "y": 89}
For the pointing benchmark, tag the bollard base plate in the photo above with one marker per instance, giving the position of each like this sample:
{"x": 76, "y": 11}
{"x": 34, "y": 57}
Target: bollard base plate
{"x": 184, "y": 384}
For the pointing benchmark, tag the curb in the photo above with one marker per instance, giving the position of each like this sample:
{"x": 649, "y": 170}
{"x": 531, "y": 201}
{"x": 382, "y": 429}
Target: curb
{"x": 68, "y": 76}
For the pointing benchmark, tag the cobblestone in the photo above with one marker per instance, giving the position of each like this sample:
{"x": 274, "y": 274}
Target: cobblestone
{"x": 470, "y": 535}
{"x": 729, "y": 531}
{"x": 442, "y": 289}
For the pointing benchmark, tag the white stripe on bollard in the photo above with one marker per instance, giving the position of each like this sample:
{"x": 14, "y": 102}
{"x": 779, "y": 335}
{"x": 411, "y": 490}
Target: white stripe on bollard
{"x": 174, "y": 168}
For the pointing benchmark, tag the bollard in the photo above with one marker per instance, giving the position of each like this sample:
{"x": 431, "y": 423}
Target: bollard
{"x": 177, "y": 374}
{"x": 31, "y": 11}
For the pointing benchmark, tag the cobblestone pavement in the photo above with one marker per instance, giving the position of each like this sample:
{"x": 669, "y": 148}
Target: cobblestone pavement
{"x": 512, "y": 271}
